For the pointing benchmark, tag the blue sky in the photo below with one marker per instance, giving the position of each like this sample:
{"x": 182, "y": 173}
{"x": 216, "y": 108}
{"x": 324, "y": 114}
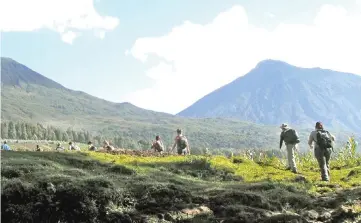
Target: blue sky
{"x": 164, "y": 55}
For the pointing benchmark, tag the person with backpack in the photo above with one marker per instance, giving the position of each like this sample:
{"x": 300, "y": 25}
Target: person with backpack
{"x": 323, "y": 146}
{"x": 108, "y": 147}
{"x": 59, "y": 147}
{"x": 291, "y": 139}
{"x": 158, "y": 145}
{"x": 38, "y": 149}
{"x": 72, "y": 146}
{"x": 91, "y": 147}
{"x": 182, "y": 144}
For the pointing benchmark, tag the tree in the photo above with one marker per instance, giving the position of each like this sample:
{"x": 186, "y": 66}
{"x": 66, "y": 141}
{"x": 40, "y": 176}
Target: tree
{"x": 81, "y": 137}
{"x": 75, "y": 136}
{"x": 88, "y": 137}
{"x": 18, "y": 130}
{"x": 65, "y": 137}
{"x": 24, "y": 134}
{"x": 97, "y": 140}
{"x": 69, "y": 132}
{"x": 12, "y": 130}
{"x": 143, "y": 144}
{"x": 4, "y": 131}
{"x": 52, "y": 136}
{"x": 58, "y": 134}
{"x": 29, "y": 130}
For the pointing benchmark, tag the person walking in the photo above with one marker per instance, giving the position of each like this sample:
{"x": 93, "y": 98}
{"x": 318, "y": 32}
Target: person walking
{"x": 322, "y": 142}
{"x": 291, "y": 139}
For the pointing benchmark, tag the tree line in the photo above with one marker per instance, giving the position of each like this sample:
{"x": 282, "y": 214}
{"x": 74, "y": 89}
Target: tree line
{"x": 28, "y": 131}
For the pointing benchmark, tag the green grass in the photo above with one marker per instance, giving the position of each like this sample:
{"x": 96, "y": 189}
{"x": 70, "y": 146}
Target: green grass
{"x": 100, "y": 187}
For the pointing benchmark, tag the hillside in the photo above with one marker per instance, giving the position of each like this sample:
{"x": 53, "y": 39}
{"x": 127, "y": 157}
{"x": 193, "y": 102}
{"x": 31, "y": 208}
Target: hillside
{"x": 99, "y": 187}
{"x": 29, "y": 97}
{"x": 275, "y": 92}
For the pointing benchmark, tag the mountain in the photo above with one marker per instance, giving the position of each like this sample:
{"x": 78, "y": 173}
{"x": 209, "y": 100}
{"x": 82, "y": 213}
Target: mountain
{"x": 16, "y": 74}
{"x": 27, "y": 96}
{"x": 275, "y": 92}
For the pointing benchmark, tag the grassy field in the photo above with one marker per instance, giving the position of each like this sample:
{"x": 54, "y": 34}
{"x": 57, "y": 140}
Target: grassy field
{"x": 101, "y": 187}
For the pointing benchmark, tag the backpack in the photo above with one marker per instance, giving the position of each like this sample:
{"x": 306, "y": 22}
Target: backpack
{"x": 182, "y": 142}
{"x": 290, "y": 136}
{"x": 324, "y": 140}
{"x": 157, "y": 146}
{"x": 109, "y": 148}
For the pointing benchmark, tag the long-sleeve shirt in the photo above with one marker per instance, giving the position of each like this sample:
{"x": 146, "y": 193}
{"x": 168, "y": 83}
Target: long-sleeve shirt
{"x": 282, "y": 137}
{"x": 5, "y": 147}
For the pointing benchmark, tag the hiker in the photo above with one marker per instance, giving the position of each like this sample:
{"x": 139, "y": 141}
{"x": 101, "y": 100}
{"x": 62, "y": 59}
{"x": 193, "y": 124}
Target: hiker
{"x": 72, "y": 146}
{"x": 38, "y": 148}
{"x": 59, "y": 147}
{"x": 5, "y": 146}
{"x": 291, "y": 139}
{"x": 107, "y": 146}
{"x": 91, "y": 147}
{"x": 182, "y": 143}
{"x": 249, "y": 154}
{"x": 323, "y": 144}
{"x": 158, "y": 145}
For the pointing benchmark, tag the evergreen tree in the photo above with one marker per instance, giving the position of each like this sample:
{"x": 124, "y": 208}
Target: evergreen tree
{"x": 88, "y": 137}
{"x": 4, "y": 130}
{"x": 58, "y": 134}
{"x": 28, "y": 128}
{"x": 18, "y": 130}
{"x": 12, "y": 130}
{"x": 65, "y": 137}
{"x": 52, "y": 135}
{"x": 24, "y": 134}
{"x": 81, "y": 137}
{"x": 75, "y": 136}
{"x": 35, "y": 137}
{"x": 69, "y": 132}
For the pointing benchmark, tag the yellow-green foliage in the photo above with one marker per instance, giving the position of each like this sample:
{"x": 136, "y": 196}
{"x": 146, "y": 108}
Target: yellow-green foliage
{"x": 267, "y": 168}
{"x": 345, "y": 166}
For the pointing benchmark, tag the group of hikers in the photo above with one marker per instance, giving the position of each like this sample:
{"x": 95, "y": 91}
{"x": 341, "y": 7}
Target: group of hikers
{"x": 319, "y": 139}
{"x": 180, "y": 141}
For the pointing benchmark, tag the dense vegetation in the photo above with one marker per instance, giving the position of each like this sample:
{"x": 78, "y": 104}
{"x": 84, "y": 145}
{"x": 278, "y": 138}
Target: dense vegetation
{"x": 100, "y": 187}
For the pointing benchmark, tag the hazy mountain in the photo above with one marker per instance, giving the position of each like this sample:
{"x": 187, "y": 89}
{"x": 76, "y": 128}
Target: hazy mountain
{"x": 275, "y": 92}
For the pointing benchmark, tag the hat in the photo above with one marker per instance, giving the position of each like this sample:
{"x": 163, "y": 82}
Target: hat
{"x": 284, "y": 126}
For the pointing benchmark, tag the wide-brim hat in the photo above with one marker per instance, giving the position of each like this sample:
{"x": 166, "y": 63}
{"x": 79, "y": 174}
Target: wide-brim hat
{"x": 284, "y": 126}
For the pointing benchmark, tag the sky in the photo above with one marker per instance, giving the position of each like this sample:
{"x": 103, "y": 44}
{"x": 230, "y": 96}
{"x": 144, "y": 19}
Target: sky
{"x": 165, "y": 55}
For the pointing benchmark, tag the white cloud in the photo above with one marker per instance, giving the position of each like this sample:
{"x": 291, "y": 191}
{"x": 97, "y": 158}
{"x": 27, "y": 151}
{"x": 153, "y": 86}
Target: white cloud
{"x": 206, "y": 57}
{"x": 69, "y": 37}
{"x": 62, "y": 16}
